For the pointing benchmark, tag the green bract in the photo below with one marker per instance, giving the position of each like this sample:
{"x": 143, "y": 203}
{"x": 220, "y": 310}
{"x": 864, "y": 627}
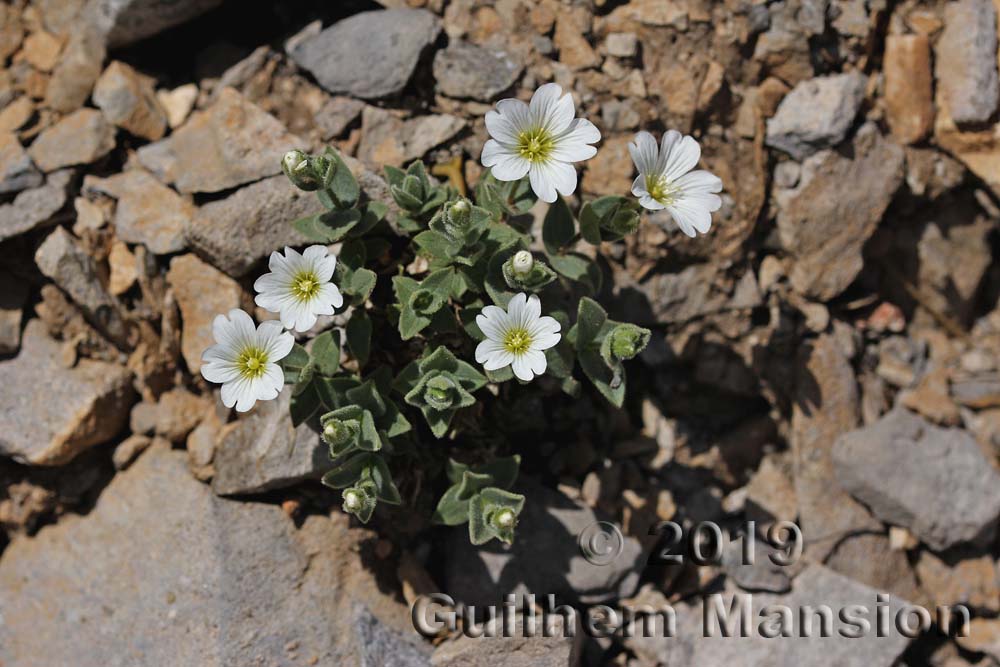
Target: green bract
{"x": 414, "y": 282}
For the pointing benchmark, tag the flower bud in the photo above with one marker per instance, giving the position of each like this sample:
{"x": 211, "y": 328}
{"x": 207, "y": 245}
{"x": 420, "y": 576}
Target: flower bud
{"x": 439, "y": 392}
{"x": 459, "y": 211}
{"x": 505, "y": 518}
{"x": 339, "y": 432}
{"x": 299, "y": 170}
{"x": 522, "y": 263}
{"x": 353, "y": 500}
{"x": 628, "y": 340}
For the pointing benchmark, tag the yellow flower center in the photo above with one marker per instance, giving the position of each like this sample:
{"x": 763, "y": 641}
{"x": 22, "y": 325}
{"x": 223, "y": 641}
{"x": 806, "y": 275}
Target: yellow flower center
{"x": 536, "y": 144}
{"x": 660, "y": 190}
{"x": 517, "y": 341}
{"x": 252, "y": 362}
{"x": 305, "y": 286}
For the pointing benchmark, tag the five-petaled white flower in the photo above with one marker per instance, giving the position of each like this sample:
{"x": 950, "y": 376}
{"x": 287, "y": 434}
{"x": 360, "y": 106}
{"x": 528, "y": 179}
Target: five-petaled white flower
{"x": 665, "y": 180}
{"x": 516, "y": 337}
{"x": 298, "y": 287}
{"x": 244, "y": 359}
{"x": 540, "y": 139}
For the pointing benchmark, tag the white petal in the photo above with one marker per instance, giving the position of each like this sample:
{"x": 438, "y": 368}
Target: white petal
{"x": 522, "y": 368}
{"x": 267, "y": 386}
{"x": 314, "y": 253}
{"x": 492, "y": 355}
{"x": 544, "y": 341}
{"x": 246, "y": 395}
{"x": 536, "y": 361}
{"x": 506, "y": 165}
{"x": 583, "y": 131}
{"x": 644, "y": 153}
{"x": 330, "y": 293}
{"x": 698, "y": 182}
{"x": 545, "y": 325}
{"x": 325, "y": 268}
{"x": 492, "y": 326}
{"x": 648, "y": 202}
{"x": 549, "y": 109}
{"x": 548, "y": 177}
{"x": 683, "y": 220}
{"x": 543, "y": 187}
{"x": 639, "y": 186}
{"x": 305, "y": 318}
{"x": 531, "y": 312}
{"x": 516, "y": 309}
{"x": 697, "y": 215}
{"x": 280, "y": 347}
{"x": 269, "y": 282}
{"x": 219, "y": 372}
{"x": 507, "y": 121}
{"x": 681, "y": 159}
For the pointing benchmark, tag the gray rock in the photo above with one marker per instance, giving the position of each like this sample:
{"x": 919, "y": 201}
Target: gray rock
{"x": 933, "y": 481}
{"x": 966, "y": 60}
{"x": 192, "y": 580}
{"x": 13, "y": 295}
{"x": 622, "y": 44}
{"x": 388, "y": 140}
{"x": 761, "y": 575}
{"x": 380, "y": 645}
{"x": 78, "y": 68}
{"x": 465, "y": 70}
{"x": 33, "y": 208}
{"x": 263, "y": 451}
{"x": 80, "y": 138}
{"x": 816, "y": 114}
{"x": 814, "y": 587}
{"x": 231, "y": 143}
{"x": 977, "y": 391}
{"x": 559, "y": 650}
{"x": 824, "y": 222}
{"x": 127, "y": 99}
{"x": 63, "y": 261}
{"x": 126, "y": 21}
{"x": 683, "y": 296}
{"x": 620, "y": 115}
{"x": 235, "y": 232}
{"x": 826, "y": 406}
{"x": 368, "y": 55}
{"x": 545, "y": 557}
{"x": 869, "y": 559}
{"x": 336, "y": 115}
{"x": 17, "y": 171}
{"x": 147, "y": 211}
{"x": 49, "y": 413}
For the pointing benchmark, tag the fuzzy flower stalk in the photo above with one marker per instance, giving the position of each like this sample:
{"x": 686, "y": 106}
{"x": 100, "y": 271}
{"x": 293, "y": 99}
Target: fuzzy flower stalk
{"x": 244, "y": 359}
{"x": 666, "y": 180}
{"x": 516, "y": 337}
{"x": 541, "y": 139}
{"x": 298, "y": 287}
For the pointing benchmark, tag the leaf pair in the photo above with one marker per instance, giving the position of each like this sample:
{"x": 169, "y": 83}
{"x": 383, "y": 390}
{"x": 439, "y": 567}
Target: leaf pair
{"x": 478, "y": 496}
{"x": 414, "y": 193}
{"x": 602, "y": 344}
{"x": 439, "y": 384}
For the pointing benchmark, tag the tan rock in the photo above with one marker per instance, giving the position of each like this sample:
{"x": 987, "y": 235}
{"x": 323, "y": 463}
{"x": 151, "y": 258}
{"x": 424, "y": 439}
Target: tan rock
{"x": 574, "y": 50}
{"x": 14, "y": 116}
{"x": 80, "y": 138}
{"x": 128, "y": 100}
{"x": 41, "y": 50}
{"x": 202, "y": 292}
{"x": 74, "y": 76}
{"x": 978, "y": 150}
{"x": 230, "y": 143}
{"x": 17, "y": 172}
{"x": 49, "y": 413}
{"x": 123, "y": 269}
{"x": 908, "y": 87}
{"x": 930, "y": 398}
{"x": 970, "y": 581}
{"x": 147, "y": 212}
{"x": 387, "y": 139}
{"x": 983, "y": 637}
{"x": 177, "y": 103}
{"x": 610, "y": 172}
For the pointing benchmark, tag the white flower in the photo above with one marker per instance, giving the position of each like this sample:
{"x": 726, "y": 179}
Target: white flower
{"x": 298, "y": 287}
{"x": 516, "y": 337}
{"x": 540, "y": 139}
{"x": 244, "y": 359}
{"x": 665, "y": 180}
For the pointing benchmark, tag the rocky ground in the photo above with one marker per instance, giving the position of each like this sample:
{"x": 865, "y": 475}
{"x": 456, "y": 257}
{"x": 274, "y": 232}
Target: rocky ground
{"x": 829, "y": 354}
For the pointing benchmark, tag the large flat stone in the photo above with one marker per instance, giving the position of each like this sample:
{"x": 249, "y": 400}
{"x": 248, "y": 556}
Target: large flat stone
{"x": 50, "y": 413}
{"x": 371, "y": 54}
{"x": 967, "y": 61}
{"x": 934, "y": 481}
{"x": 824, "y": 222}
{"x": 817, "y": 114}
{"x": 35, "y": 207}
{"x": 231, "y": 143}
{"x": 236, "y": 232}
{"x": 263, "y": 451}
{"x": 162, "y": 572}
{"x": 80, "y": 138}
{"x": 815, "y": 586}
{"x": 147, "y": 211}
{"x": 123, "y": 22}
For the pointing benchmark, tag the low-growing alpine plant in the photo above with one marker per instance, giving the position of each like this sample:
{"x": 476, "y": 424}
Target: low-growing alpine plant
{"x": 448, "y": 306}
